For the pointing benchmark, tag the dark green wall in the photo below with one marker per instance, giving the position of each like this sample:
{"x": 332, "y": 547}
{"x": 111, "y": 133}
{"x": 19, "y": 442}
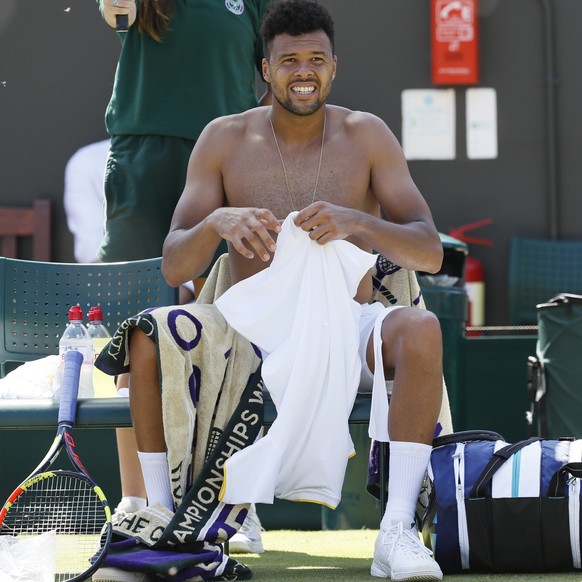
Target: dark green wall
{"x": 57, "y": 61}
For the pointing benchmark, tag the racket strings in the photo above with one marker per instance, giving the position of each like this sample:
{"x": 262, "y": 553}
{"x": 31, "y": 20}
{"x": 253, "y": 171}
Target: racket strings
{"x": 68, "y": 506}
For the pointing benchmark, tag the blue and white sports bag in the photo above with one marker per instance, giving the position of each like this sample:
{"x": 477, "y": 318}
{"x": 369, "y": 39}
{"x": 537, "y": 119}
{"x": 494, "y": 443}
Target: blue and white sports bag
{"x": 499, "y": 507}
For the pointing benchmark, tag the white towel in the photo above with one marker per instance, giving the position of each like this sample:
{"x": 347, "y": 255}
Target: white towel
{"x": 301, "y": 313}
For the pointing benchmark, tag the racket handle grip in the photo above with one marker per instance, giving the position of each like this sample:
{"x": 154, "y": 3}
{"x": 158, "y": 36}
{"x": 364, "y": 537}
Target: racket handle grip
{"x": 73, "y": 360}
{"x": 121, "y": 22}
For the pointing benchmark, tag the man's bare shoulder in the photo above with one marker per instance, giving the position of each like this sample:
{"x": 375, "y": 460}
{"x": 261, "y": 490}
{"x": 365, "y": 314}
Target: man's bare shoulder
{"x": 224, "y": 134}
{"x": 361, "y": 126}
{"x": 358, "y": 121}
{"x": 235, "y": 125}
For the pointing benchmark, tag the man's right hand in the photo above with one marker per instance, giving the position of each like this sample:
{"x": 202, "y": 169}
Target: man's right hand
{"x": 247, "y": 229}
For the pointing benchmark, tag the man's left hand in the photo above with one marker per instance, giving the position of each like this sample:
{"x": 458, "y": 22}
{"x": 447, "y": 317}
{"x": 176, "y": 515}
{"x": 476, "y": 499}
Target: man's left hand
{"x": 326, "y": 221}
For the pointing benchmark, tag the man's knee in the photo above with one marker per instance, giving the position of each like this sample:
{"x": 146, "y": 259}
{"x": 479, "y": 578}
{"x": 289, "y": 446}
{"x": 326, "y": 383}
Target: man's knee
{"x": 141, "y": 346}
{"x": 414, "y": 331}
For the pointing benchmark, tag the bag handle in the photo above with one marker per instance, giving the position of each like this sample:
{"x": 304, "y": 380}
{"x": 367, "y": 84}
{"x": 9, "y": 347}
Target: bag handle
{"x": 497, "y": 459}
{"x": 466, "y": 436}
{"x": 575, "y": 469}
{"x": 561, "y": 299}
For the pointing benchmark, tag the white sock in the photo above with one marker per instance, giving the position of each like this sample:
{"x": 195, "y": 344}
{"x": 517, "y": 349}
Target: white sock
{"x": 156, "y": 477}
{"x": 139, "y": 502}
{"x": 407, "y": 467}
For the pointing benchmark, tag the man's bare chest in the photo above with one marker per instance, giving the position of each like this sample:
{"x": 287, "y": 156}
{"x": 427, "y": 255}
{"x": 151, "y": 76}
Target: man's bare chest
{"x": 261, "y": 179}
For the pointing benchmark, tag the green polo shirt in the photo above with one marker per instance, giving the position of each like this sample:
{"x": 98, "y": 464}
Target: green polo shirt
{"x": 208, "y": 58}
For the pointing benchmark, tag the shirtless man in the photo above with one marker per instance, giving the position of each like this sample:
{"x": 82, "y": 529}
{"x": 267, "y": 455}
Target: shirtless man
{"x": 339, "y": 169}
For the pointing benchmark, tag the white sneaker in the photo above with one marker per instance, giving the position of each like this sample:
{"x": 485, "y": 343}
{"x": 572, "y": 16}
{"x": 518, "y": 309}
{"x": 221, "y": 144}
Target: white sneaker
{"x": 247, "y": 540}
{"x": 117, "y": 575}
{"x": 400, "y": 555}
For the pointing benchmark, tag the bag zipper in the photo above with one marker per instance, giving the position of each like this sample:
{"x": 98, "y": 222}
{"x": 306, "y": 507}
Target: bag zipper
{"x": 459, "y": 468}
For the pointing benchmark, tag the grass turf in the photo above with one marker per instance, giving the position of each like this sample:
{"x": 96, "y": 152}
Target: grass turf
{"x": 309, "y": 556}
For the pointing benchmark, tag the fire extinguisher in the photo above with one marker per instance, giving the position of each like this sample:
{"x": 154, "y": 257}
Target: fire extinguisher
{"x": 475, "y": 285}
{"x": 474, "y": 273}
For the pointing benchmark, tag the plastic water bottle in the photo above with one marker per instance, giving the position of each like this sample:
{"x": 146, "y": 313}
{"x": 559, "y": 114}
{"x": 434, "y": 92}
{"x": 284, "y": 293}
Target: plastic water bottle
{"x": 75, "y": 337}
{"x": 103, "y": 384}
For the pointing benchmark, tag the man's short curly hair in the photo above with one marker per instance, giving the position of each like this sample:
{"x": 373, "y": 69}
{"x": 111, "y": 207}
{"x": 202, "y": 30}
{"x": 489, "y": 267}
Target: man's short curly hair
{"x": 295, "y": 17}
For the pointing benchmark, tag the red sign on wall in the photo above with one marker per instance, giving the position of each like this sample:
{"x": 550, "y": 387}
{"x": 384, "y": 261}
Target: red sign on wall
{"x": 455, "y": 50}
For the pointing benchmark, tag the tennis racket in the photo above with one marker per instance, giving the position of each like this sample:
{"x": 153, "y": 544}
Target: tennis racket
{"x": 66, "y": 503}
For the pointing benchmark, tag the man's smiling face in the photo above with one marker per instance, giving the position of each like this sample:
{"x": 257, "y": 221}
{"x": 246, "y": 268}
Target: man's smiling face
{"x": 300, "y": 70}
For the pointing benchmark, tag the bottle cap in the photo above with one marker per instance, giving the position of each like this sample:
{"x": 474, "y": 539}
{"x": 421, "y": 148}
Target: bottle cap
{"x": 95, "y": 314}
{"x": 75, "y": 313}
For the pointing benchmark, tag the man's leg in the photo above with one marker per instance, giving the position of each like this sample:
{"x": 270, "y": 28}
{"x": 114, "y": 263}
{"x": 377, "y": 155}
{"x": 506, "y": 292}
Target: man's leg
{"x": 146, "y": 414}
{"x": 412, "y": 355}
{"x": 133, "y": 494}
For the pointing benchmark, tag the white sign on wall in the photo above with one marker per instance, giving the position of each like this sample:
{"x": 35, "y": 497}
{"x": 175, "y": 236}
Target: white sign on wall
{"x": 428, "y": 124}
{"x": 481, "y": 117}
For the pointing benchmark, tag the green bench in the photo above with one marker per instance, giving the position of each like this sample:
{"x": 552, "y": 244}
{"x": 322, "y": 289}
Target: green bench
{"x": 105, "y": 413}
{"x": 27, "y": 418}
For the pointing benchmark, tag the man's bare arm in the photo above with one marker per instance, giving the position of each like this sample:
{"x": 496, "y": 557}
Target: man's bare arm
{"x": 191, "y": 241}
{"x": 202, "y": 217}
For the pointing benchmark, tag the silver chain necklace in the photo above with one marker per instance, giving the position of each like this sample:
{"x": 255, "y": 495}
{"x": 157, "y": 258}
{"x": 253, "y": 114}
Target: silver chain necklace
{"x": 283, "y": 161}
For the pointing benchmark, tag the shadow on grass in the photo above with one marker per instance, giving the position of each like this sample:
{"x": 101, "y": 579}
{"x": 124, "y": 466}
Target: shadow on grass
{"x": 301, "y": 567}
{"x": 298, "y": 567}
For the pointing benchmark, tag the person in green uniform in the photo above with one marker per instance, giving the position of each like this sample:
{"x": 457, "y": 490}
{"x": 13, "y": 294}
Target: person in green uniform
{"x": 182, "y": 64}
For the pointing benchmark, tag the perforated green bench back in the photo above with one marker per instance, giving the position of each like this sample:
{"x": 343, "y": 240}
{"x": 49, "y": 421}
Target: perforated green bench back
{"x": 35, "y": 298}
{"x": 539, "y": 269}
